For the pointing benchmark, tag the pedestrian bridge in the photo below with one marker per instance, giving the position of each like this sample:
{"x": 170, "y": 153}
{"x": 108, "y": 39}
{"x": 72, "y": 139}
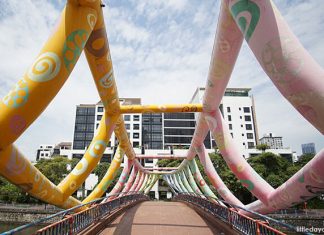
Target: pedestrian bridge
{"x": 81, "y": 27}
{"x": 156, "y": 217}
{"x": 136, "y": 214}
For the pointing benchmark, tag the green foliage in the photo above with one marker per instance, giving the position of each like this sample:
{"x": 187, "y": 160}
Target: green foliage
{"x": 273, "y": 168}
{"x": 228, "y": 177}
{"x": 101, "y": 170}
{"x": 113, "y": 183}
{"x": 262, "y": 147}
{"x": 168, "y": 163}
{"x": 269, "y": 163}
{"x": 56, "y": 168}
{"x": 304, "y": 159}
{"x": 11, "y": 193}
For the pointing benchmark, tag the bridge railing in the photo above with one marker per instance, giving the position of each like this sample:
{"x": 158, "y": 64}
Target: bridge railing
{"x": 230, "y": 215}
{"x": 73, "y": 223}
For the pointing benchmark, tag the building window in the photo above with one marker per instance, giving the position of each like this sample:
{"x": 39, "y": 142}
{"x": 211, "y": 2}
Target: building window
{"x": 136, "y": 117}
{"x": 156, "y": 137}
{"x": 240, "y": 117}
{"x": 81, "y": 111}
{"x": 99, "y": 117}
{"x": 230, "y": 126}
{"x": 156, "y": 145}
{"x": 249, "y": 135}
{"x": 179, "y": 123}
{"x": 228, "y": 109}
{"x": 79, "y": 135}
{"x": 91, "y": 111}
{"x": 81, "y": 119}
{"x": 176, "y": 131}
{"x": 90, "y": 127}
{"x": 80, "y": 127}
{"x": 100, "y": 109}
{"x": 248, "y": 126}
{"x": 240, "y": 109}
{"x": 78, "y": 145}
{"x": 89, "y": 136}
{"x": 127, "y": 126}
{"x": 127, "y": 117}
{"x": 90, "y": 119}
{"x": 135, "y": 144}
{"x": 136, "y": 126}
{"x": 232, "y": 135}
{"x": 250, "y": 145}
{"x": 135, "y": 135}
{"x": 177, "y": 139}
{"x": 229, "y": 117}
{"x": 97, "y": 125}
{"x": 242, "y": 134}
{"x": 179, "y": 116}
{"x": 247, "y": 118}
{"x": 246, "y": 109}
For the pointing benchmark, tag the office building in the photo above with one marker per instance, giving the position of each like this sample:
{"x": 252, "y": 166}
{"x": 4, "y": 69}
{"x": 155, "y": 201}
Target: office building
{"x": 169, "y": 130}
{"x": 152, "y": 131}
{"x": 63, "y": 149}
{"x": 44, "y": 151}
{"x": 178, "y": 130}
{"x": 238, "y": 109}
{"x": 273, "y": 142}
{"x": 87, "y": 120}
{"x": 308, "y": 148}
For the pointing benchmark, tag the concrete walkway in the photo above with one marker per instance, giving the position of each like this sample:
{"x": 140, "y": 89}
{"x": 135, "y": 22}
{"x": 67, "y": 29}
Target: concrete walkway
{"x": 160, "y": 218}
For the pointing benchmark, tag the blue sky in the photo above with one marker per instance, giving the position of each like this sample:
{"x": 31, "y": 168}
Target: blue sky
{"x": 161, "y": 52}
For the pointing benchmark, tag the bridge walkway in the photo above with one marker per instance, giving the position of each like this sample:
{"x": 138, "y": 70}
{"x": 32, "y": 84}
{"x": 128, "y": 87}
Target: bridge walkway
{"x": 159, "y": 217}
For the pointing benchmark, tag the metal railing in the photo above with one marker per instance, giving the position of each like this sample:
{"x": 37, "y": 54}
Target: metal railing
{"x": 73, "y": 223}
{"x": 230, "y": 215}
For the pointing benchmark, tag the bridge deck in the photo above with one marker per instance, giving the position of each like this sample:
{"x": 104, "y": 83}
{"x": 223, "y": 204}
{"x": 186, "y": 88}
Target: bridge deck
{"x": 160, "y": 218}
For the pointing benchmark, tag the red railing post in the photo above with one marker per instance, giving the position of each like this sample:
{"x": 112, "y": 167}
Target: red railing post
{"x": 258, "y": 232}
{"x": 230, "y": 217}
{"x": 70, "y": 224}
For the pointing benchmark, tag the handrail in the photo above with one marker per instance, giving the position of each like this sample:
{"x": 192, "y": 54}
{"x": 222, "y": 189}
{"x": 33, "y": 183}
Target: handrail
{"x": 231, "y": 215}
{"x": 69, "y": 218}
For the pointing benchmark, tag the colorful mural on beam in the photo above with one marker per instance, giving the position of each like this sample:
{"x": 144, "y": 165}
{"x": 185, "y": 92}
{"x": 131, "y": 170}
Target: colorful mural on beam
{"x": 82, "y": 28}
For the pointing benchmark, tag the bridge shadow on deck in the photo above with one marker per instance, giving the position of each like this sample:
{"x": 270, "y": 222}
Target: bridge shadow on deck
{"x": 159, "y": 218}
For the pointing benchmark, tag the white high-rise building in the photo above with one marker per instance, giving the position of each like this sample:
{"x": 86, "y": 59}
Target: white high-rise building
{"x": 237, "y": 107}
{"x": 133, "y": 122}
{"x": 87, "y": 120}
{"x": 273, "y": 142}
{"x": 44, "y": 151}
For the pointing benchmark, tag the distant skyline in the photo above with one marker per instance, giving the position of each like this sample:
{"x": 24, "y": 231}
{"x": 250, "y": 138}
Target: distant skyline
{"x": 161, "y": 52}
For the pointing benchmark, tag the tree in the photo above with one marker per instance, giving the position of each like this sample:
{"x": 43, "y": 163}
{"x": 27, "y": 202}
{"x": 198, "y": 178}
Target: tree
{"x": 304, "y": 159}
{"x": 56, "y": 168}
{"x": 273, "y": 168}
{"x": 168, "y": 163}
{"x": 11, "y": 193}
{"x": 101, "y": 170}
{"x": 262, "y": 147}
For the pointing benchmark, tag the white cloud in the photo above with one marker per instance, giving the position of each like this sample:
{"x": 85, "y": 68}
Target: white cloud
{"x": 161, "y": 52}
{"x": 130, "y": 32}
